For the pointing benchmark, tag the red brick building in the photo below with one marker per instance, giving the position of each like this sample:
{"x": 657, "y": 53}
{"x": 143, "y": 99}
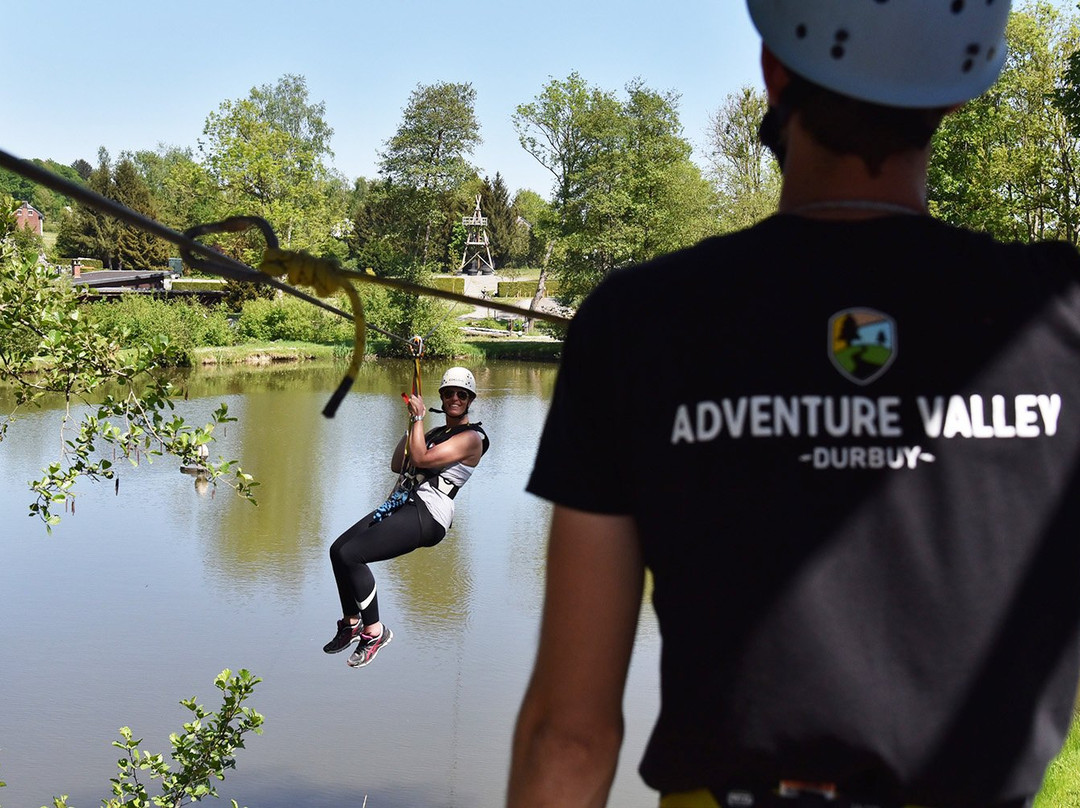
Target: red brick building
{"x": 29, "y": 216}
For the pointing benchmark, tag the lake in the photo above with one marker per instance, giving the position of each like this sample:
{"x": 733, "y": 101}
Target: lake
{"x": 147, "y": 592}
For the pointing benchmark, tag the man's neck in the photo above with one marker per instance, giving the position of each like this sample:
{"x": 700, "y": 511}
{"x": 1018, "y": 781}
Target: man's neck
{"x": 814, "y": 177}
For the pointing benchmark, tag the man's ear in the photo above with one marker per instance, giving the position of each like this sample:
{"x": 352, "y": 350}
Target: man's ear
{"x": 775, "y": 74}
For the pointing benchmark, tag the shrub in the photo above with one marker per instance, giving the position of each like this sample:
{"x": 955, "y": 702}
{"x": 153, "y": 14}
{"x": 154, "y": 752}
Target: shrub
{"x": 448, "y": 284}
{"x": 187, "y": 324}
{"x": 198, "y": 284}
{"x": 289, "y": 318}
{"x": 404, "y": 315}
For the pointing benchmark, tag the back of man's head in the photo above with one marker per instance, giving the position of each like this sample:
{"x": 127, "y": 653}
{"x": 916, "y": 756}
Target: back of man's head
{"x": 874, "y": 77}
{"x": 898, "y": 53}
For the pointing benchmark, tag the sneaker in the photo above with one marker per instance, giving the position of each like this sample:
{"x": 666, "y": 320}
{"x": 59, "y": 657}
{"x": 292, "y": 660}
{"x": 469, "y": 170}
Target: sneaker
{"x": 346, "y": 635}
{"x": 369, "y": 647}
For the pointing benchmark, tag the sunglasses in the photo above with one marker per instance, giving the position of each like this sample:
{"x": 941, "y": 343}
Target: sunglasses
{"x": 461, "y": 394}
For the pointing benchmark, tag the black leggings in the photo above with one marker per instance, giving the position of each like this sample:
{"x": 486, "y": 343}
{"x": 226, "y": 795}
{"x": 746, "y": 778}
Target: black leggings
{"x": 407, "y": 528}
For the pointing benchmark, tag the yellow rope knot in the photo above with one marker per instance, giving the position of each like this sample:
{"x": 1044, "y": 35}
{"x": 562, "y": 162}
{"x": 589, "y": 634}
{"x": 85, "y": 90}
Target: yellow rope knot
{"x": 301, "y": 269}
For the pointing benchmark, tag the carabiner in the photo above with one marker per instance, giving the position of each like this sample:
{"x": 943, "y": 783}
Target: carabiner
{"x": 234, "y": 224}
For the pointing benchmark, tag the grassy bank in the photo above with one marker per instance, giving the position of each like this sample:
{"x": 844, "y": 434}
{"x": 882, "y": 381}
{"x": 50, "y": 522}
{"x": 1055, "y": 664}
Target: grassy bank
{"x": 481, "y": 350}
{"x": 520, "y": 349}
{"x": 265, "y": 353}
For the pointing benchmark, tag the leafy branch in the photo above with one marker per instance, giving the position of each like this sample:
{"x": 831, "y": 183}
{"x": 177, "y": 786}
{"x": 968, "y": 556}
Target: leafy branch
{"x": 202, "y": 752}
{"x": 49, "y": 348}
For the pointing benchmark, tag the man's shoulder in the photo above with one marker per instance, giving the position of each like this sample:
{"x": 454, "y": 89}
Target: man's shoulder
{"x": 710, "y": 257}
{"x": 998, "y": 256}
{"x": 714, "y": 252}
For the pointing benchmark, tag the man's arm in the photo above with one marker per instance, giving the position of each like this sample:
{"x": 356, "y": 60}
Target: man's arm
{"x": 570, "y": 727}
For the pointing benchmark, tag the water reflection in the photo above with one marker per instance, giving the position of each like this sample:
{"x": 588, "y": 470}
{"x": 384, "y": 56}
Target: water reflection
{"x": 167, "y": 584}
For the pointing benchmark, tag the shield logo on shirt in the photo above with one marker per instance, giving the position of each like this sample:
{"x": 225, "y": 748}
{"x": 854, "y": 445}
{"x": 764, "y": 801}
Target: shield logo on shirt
{"x": 862, "y": 343}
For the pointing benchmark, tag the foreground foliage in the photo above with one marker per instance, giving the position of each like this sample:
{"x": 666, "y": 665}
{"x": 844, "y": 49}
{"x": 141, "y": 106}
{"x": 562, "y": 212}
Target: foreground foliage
{"x": 50, "y": 348}
{"x": 202, "y": 752}
{"x": 1061, "y": 786}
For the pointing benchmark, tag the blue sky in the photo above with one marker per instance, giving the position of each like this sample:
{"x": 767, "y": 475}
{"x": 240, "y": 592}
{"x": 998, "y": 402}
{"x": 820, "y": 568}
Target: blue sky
{"x": 132, "y": 75}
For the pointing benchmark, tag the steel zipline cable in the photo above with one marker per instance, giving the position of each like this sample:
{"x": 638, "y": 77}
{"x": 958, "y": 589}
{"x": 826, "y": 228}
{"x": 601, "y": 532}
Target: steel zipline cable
{"x": 326, "y": 277}
{"x": 236, "y": 270}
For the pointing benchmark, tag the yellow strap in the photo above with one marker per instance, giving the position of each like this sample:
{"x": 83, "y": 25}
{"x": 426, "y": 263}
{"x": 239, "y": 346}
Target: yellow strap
{"x": 301, "y": 269}
{"x": 702, "y": 798}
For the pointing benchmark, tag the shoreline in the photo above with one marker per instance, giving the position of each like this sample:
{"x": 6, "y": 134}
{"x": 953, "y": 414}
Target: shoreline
{"x": 531, "y": 349}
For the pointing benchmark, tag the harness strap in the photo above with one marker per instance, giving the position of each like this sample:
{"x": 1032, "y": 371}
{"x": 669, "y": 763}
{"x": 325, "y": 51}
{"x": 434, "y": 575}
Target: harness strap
{"x": 418, "y": 477}
{"x": 416, "y": 347}
{"x": 444, "y": 486}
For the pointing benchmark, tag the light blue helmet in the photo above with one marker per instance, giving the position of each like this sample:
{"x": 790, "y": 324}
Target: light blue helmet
{"x": 900, "y": 53}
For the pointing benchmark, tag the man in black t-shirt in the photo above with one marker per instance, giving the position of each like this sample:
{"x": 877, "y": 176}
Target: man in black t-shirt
{"x": 861, "y": 509}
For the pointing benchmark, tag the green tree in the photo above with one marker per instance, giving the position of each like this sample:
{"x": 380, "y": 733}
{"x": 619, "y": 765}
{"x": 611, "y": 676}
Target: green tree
{"x": 45, "y": 200}
{"x": 426, "y": 161}
{"x": 1006, "y": 162}
{"x": 556, "y": 128}
{"x": 92, "y": 234}
{"x": 267, "y": 155}
{"x": 82, "y": 168}
{"x": 437, "y": 132}
{"x": 183, "y": 191}
{"x": 89, "y": 233}
{"x": 503, "y": 229}
{"x": 671, "y": 205}
{"x": 539, "y": 225}
{"x": 384, "y": 219}
{"x": 382, "y": 233}
{"x": 50, "y": 347}
{"x": 135, "y": 248}
{"x": 625, "y": 188}
{"x": 745, "y": 175}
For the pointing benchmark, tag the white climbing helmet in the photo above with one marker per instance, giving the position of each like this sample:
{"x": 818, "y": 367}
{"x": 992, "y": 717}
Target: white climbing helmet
{"x": 459, "y": 377}
{"x": 900, "y": 53}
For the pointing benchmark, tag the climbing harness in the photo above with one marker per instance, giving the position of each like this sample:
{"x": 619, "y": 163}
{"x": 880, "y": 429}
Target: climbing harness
{"x": 418, "y": 476}
{"x": 297, "y": 267}
{"x": 412, "y": 477}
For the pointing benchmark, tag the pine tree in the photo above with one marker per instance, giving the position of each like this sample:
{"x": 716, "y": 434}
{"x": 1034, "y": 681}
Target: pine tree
{"x": 502, "y": 220}
{"x": 135, "y": 248}
{"x": 89, "y": 233}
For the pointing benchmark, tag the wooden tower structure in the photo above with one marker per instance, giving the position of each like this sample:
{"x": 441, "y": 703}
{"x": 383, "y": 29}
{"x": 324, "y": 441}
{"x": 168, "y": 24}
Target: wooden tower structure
{"x": 476, "y": 258}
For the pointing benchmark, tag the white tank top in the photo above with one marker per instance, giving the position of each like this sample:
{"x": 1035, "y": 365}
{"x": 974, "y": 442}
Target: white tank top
{"x": 439, "y": 504}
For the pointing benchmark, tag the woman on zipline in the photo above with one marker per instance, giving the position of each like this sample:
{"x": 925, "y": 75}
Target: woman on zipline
{"x": 433, "y": 465}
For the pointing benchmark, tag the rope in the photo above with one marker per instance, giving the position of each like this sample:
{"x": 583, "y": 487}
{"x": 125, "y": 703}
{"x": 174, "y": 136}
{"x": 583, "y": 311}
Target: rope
{"x": 416, "y": 347}
{"x": 398, "y": 494}
{"x": 323, "y": 276}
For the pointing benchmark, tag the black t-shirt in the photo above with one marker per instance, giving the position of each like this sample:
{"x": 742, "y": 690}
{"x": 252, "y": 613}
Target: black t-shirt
{"x": 851, "y": 450}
